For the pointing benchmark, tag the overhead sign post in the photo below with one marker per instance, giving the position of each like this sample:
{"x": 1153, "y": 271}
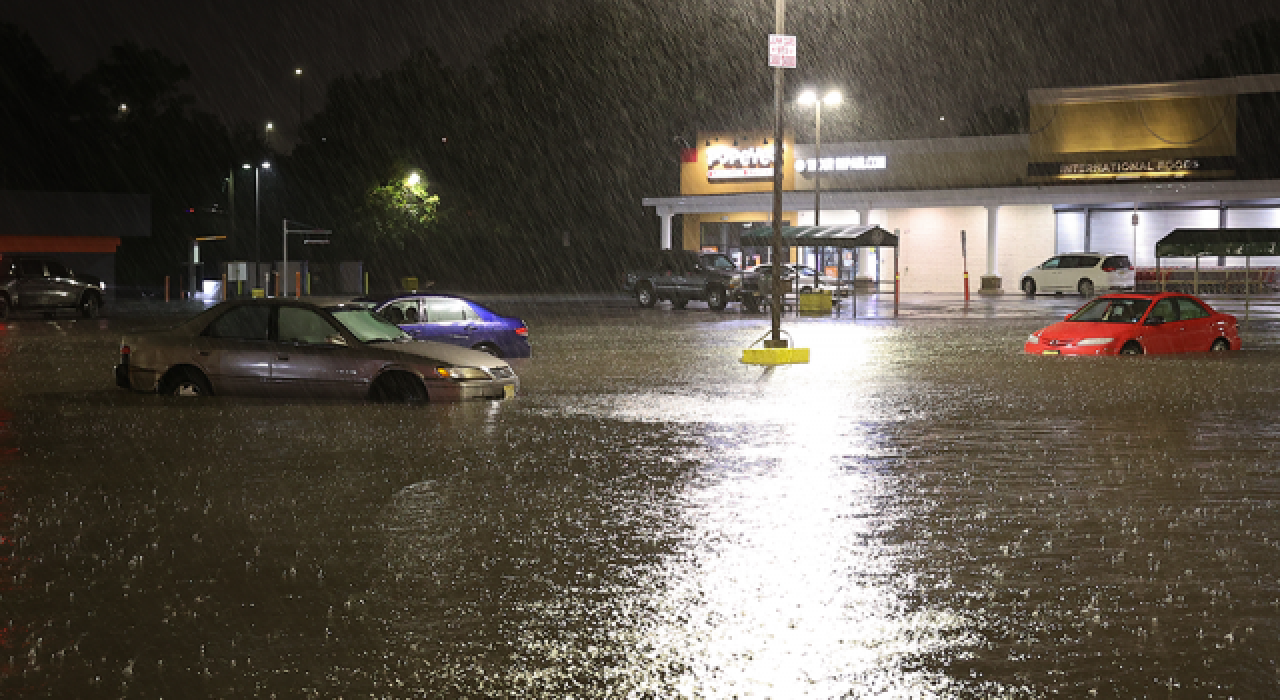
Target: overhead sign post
{"x": 307, "y": 231}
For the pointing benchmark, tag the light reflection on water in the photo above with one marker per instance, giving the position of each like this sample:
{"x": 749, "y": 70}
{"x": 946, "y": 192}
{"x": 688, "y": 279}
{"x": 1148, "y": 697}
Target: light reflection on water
{"x": 783, "y": 584}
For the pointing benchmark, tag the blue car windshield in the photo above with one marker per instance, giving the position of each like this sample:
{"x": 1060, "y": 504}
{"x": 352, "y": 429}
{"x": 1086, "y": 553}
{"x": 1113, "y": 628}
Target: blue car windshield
{"x": 1112, "y": 311}
{"x": 368, "y": 327}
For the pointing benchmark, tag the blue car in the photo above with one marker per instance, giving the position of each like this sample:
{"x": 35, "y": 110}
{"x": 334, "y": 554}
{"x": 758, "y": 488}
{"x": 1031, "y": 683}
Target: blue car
{"x": 446, "y": 318}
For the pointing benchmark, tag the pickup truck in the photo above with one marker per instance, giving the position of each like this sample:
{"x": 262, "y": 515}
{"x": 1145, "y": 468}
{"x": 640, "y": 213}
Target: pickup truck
{"x": 682, "y": 275}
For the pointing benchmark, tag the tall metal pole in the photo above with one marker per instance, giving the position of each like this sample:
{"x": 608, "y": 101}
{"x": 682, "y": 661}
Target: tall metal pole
{"x": 284, "y": 247}
{"x": 780, "y": 10}
{"x": 257, "y": 214}
{"x": 231, "y": 206}
{"x": 817, "y": 185}
{"x": 298, "y": 72}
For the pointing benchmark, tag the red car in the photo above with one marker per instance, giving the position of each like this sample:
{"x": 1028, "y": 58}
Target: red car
{"x": 1136, "y": 324}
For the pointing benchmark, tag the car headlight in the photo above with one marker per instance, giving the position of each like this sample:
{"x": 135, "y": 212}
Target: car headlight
{"x": 1033, "y": 338}
{"x": 462, "y": 374}
{"x": 1096, "y": 341}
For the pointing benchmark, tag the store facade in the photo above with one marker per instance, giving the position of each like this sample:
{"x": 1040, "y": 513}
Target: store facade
{"x": 1108, "y": 169}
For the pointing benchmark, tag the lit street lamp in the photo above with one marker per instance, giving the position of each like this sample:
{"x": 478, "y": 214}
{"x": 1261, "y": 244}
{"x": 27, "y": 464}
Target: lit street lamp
{"x": 809, "y": 97}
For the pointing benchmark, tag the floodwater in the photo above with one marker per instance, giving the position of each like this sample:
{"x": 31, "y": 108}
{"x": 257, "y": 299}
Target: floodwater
{"x": 920, "y": 512}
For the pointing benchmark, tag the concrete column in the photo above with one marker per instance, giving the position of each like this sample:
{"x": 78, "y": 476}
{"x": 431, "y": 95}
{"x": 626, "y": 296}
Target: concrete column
{"x": 865, "y": 272}
{"x": 991, "y": 282}
{"x": 665, "y": 214}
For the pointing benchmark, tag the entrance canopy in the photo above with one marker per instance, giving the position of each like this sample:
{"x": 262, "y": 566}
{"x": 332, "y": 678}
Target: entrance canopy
{"x": 826, "y": 236}
{"x": 1194, "y": 242}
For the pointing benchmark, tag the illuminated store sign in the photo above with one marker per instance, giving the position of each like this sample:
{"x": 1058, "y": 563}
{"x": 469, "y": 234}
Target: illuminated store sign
{"x": 843, "y": 164}
{"x": 733, "y": 163}
{"x": 1120, "y": 167}
{"x": 1174, "y": 167}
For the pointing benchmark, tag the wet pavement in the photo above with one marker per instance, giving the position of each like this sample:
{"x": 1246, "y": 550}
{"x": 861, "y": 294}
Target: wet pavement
{"x": 920, "y": 512}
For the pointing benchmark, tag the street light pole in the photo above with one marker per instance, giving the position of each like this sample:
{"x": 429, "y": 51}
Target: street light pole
{"x": 775, "y": 307}
{"x": 298, "y": 72}
{"x": 257, "y": 207}
{"x": 832, "y": 98}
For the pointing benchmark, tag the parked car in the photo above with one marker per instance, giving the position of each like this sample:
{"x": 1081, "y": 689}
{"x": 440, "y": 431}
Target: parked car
{"x": 803, "y": 275}
{"x": 32, "y": 283}
{"x": 1082, "y": 273}
{"x": 291, "y": 348}
{"x": 452, "y": 319}
{"x": 1137, "y": 324}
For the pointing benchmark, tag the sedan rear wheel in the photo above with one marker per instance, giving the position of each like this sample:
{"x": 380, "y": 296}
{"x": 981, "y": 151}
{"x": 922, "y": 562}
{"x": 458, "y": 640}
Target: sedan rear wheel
{"x": 1131, "y": 348}
{"x": 1220, "y": 345}
{"x": 1029, "y": 287}
{"x": 1085, "y": 288}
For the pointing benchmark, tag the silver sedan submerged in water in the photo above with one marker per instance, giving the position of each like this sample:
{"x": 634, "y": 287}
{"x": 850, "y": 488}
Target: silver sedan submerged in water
{"x": 291, "y": 348}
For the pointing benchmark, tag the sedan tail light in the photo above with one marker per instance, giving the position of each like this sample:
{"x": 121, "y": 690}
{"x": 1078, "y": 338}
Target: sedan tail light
{"x": 523, "y": 331}
{"x": 124, "y": 351}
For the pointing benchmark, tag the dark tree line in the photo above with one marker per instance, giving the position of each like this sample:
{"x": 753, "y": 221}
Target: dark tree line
{"x": 125, "y": 126}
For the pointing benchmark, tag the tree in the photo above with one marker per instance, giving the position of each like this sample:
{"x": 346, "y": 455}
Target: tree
{"x": 399, "y": 212}
{"x": 35, "y": 116}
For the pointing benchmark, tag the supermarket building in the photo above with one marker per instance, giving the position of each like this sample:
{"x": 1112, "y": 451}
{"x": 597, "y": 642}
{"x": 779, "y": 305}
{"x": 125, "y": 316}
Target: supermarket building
{"x": 1105, "y": 169}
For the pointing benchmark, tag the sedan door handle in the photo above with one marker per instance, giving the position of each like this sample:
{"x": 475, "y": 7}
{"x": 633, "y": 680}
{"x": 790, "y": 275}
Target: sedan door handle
{"x": 282, "y": 357}
{"x": 204, "y": 353}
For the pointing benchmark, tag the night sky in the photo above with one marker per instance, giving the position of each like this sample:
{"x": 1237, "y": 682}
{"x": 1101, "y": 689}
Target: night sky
{"x": 919, "y": 59}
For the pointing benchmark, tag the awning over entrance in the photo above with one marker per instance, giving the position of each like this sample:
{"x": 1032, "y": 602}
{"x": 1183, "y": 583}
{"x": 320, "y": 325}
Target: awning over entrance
{"x": 1194, "y": 242}
{"x": 826, "y": 236}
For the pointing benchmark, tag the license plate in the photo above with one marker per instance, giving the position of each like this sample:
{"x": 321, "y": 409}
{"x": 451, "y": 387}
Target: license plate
{"x": 508, "y": 391}
{"x": 1050, "y": 352}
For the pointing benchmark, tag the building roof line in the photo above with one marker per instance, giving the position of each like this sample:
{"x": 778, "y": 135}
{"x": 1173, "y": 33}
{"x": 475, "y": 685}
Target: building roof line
{"x": 1211, "y": 87}
{"x": 1214, "y": 192}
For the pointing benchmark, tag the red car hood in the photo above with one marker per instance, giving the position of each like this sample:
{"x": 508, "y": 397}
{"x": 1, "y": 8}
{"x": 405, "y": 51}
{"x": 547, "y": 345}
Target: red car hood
{"x": 1076, "y": 330}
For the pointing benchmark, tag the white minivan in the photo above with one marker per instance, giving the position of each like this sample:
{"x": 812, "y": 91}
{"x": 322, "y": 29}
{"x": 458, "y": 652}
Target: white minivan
{"x": 1081, "y": 273}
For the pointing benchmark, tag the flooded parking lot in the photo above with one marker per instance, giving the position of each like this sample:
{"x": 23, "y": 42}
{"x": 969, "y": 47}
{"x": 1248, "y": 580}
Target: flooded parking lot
{"x": 920, "y": 512}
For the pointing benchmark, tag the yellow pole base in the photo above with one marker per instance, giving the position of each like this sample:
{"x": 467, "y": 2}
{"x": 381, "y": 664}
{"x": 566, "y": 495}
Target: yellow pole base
{"x": 775, "y": 356}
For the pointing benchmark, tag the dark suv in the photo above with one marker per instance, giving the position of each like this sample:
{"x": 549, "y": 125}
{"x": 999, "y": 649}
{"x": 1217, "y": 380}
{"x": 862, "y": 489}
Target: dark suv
{"x": 32, "y": 283}
{"x": 681, "y": 275}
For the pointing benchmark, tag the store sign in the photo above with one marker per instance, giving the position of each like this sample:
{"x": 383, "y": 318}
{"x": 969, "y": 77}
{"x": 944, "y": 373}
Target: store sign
{"x": 733, "y": 163}
{"x": 1121, "y": 167}
{"x": 843, "y": 164}
{"x": 782, "y": 51}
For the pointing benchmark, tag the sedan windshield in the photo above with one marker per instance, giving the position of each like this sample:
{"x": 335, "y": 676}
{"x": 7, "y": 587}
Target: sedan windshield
{"x": 368, "y": 327}
{"x": 1112, "y": 311}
